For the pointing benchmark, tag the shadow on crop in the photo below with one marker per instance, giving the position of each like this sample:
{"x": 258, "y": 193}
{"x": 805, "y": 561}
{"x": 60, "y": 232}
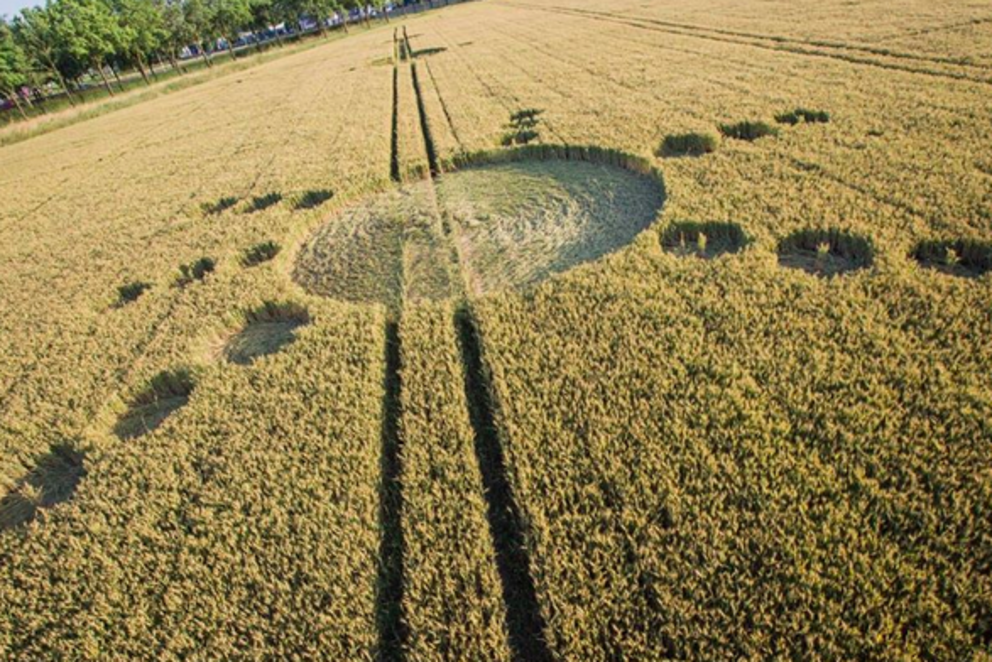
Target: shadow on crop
{"x": 267, "y": 330}
{"x": 524, "y": 620}
{"x": 165, "y": 394}
{"x": 703, "y": 240}
{"x": 53, "y": 480}
{"x": 825, "y": 253}
{"x": 389, "y": 586}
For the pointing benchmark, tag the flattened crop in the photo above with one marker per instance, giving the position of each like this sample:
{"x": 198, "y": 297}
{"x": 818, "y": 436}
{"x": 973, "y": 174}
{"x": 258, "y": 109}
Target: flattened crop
{"x": 52, "y": 480}
{"x": 267, "y": 330}
{"x": 955, "y": 257}
{"x": 512, "y": 224}
{"x": 704, "y": 240}
{"x": 825, "y": 253}
{"x": 167, "y": 392}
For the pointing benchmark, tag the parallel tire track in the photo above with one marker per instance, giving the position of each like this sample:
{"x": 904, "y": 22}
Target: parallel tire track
{"x": 389, "y": 591}
{"x": 525, "y": 623}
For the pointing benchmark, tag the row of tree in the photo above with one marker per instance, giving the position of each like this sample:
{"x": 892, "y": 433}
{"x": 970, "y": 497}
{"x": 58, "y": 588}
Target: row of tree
{"x": 65, "y": 40}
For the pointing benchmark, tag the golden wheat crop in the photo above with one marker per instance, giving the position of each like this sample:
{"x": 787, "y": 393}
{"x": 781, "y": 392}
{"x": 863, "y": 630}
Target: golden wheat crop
{"x": 294, "y": 362}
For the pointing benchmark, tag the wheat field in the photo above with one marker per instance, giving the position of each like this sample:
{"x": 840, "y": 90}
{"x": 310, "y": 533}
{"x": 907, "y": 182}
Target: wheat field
{"x": 515, "y": 330}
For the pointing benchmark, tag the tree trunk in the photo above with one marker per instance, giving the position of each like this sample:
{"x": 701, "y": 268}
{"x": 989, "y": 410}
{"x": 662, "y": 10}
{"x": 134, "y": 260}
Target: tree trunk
{"x": 175, "y": 63}
{"x": 13, "y": 97}
{"x": 203, "y": 52}
{"x": 141, "y": 69}
{"x": 230, "y": 48}
{"x": 117, "y": 76}
{"x": 62, "y": 82}
{"x": 39, "y": 100}
{"x": 152, "y": 68}
{"x": 103, "y": 75}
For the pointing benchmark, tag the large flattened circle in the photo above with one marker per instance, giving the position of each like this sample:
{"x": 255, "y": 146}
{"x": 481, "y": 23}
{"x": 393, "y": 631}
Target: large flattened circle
{"x": 501, "y": 226}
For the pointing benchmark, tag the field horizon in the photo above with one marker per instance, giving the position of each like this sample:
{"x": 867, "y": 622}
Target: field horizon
{"x": 515, "y": 330}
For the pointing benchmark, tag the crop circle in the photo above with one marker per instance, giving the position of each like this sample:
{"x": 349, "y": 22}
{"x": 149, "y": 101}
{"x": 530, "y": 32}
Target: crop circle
{"x": 498, "y": 226}
{"x": 825, "y": 253}
{"x": 957, "y": 257}
{"x": 267, "y": 330}
{"x": 703, "y": 240}
{"x": 166, "y": 393}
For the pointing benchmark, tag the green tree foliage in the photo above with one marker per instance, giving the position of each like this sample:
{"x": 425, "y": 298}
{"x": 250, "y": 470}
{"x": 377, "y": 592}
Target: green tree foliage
{"x": 284, "y": 11}
{"x": 89, "y": 31}
{"x": 66, "y": 40}
{"x": 141, "y": 30}
{"x": 318, "y": 10}
{"x": 227, "y": 17}
{"x": 198, "y": 21}
{"x": 176, "y": 30}
{"x": 262, "y": 15}
{"x": 13, "y": 65}
{"x": 35, "y": 30}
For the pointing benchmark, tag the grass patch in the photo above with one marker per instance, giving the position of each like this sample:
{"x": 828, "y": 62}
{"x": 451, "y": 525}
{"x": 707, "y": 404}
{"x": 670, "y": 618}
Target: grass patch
{"x": 131, "y": 292}
{"x": 519, "y": 137}
{"x": 747, "y": 130}
{"x": 261, "y": 202}
{"x": 803, "y": 115}
{"x": 260, "y": 253}
{"x": 526, "y": 116}
{"x": 688, "y": 144}
{"x": 705, "y": 240}
{"x": 825, "y": 252}
{"x": 195, "y": 271}
{"x": 313, "y": 198}
{"x": 213, "y": 208}
{"x": 166, "y": 393}
{"x": 268, "y": 330}
{"x": 53, "y": 480}
{"x": 522, "y": 127}
{"x": 958, "y": 257}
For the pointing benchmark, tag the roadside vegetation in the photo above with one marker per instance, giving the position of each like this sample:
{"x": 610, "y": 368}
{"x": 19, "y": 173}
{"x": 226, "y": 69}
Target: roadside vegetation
{"x": 73, "y": 60}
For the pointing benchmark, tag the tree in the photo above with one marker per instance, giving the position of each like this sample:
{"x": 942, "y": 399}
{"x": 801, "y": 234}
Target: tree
{"x": 90, "y": 33}
{"x": 140, "y": 31}
{"x": 262, "y": 16}
{"x": 35, "y": 30}
{"x": 199, "y": 23}
{"x": 227, "y": 19}
{"x": 285, "y": 12}
{"x": 340, "y": 7}
{"x": 13, "y": 66}
{"x": 380, "y": 5}
{"x": 176, "y": 32}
